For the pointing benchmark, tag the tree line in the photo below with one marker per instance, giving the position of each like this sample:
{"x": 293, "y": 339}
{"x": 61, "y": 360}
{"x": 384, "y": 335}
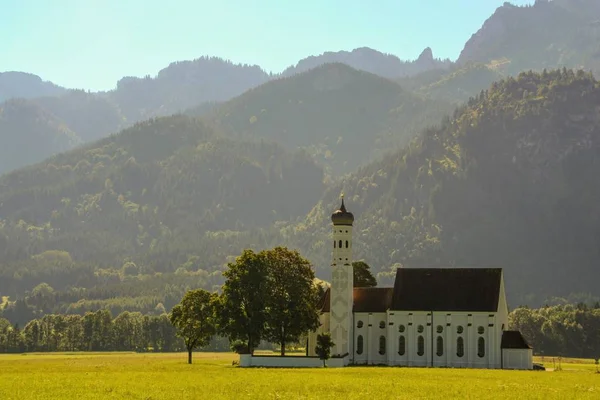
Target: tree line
{"x": 567, "y": 330}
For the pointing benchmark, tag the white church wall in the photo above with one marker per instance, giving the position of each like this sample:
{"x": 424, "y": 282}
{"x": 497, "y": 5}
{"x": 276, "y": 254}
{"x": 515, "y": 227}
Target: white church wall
{"x": 378, "y": 338}
{"x": 361, "y": 330}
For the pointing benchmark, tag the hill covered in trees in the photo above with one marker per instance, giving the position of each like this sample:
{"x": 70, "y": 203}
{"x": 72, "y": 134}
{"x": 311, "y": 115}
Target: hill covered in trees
{"x": 29, "y": 133}
{"x": 509, "y": 182}
{"x": 342, "y": 116}
{"x": 141, "y": 203}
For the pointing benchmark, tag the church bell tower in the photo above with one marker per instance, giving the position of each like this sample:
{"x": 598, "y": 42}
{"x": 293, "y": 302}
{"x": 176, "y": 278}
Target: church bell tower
{"x": 342, "y": 281}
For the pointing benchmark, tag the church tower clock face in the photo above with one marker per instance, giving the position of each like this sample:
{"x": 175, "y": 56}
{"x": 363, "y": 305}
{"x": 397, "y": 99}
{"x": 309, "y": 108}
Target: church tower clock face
{"x": 341, "y": 281}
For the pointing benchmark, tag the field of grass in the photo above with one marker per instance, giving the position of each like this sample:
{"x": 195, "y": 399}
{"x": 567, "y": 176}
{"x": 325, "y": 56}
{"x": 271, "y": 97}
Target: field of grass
{"x": 212, "y": 376}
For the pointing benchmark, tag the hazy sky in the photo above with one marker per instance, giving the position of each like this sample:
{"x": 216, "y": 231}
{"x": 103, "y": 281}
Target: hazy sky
{"x": 90, "y": 44}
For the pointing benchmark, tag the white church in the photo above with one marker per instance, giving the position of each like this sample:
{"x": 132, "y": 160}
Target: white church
{"x": 431, "y": 317}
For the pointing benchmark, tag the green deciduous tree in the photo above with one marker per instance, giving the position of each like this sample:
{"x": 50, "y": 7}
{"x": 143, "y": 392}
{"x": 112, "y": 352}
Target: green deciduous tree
{"x": 241, "y": 310}
{"x": 194, "y": 319}
{"x": 291, "y": 296}
{"x": 362, "y": 275}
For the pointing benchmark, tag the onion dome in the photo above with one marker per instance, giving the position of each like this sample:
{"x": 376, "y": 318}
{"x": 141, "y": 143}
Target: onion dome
{"x": 341, "y": 216}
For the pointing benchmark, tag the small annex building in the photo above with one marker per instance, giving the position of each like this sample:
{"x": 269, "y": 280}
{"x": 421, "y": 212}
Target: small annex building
{"x": 431, "y": 317}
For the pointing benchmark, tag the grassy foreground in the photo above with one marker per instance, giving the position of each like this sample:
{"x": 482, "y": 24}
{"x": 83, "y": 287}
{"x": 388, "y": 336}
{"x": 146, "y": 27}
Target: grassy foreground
{"x": 212, "y": 376}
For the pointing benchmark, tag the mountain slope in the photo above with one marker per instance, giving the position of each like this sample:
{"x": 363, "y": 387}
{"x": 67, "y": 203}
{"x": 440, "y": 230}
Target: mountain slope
{"x": 183, "y": 85}
{"x": 29, "y": 133}
{"x": 157, "y": 187}
{"x": 549, "y": 34}
{"x": 510, "y": 181}
{"x": 25, "y": 85}
{"x": 456, "y": 85}
{"x": 343, "y": 117}
{"x": 373, "y": 61}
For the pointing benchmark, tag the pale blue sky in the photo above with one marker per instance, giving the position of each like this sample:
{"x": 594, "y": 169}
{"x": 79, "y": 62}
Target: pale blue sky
{"x": 90, "y": 44}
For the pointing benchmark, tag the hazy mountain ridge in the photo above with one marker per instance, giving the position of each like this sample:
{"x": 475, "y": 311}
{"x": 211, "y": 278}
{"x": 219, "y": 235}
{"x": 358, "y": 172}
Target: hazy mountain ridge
{"x": 342, "y": 116}
{"x": 25, "y": 85}
{"x": 549, "y": 34}
{"x": 369, "y": 60}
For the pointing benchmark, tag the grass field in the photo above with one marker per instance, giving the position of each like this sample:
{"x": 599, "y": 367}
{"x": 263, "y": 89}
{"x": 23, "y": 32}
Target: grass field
{"x": 212, "y": 376}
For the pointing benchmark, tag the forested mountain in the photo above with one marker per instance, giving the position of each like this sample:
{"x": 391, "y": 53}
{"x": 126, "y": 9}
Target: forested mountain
{"x": 23, "y": 85}
{"x": 549, "y": 34}
{"x": 184, "y": 85}
{"x": 455, "y": 85}
{"x": 510, "y": 181}
{"x": 29, "y": 133}
{"x": 373, "y": 61}
{"x": 343, "y": 117}
{"x": 148, "y": 195}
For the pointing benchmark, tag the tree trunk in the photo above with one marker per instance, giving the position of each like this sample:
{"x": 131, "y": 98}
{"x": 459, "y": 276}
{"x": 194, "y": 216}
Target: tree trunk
{"x": 190, "y": 356}
{"x": 282, "y": 347}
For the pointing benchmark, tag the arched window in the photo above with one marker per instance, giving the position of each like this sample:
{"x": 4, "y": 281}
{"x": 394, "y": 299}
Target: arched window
{"x": 481, "y": 347}
{"x": 340, "y": 244}
{"x": 401, "y": 328}
{"x": 359, "y": 324}
{"x": 382, "y": 324}
{"x": 401, "y": 345}
{"x": 460, "y": 347}
{"x": 440, "y": 329}
{"x": 346, "y": 244}
{"x": 439, "y": 346}
{"x": 359, "y": 344}
{"x": 382, "y": 345}
{"x": 420, "y": 346}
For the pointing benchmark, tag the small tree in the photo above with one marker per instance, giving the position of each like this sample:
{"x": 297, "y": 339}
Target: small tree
{"x": 362, "y": 275}
{"x": 194, "y": 319}
{"x": 597, "y": 360}
{"x": 324, "y": 345}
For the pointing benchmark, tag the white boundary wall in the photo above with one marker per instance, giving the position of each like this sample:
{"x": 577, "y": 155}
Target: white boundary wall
{"x": 247, "y": 360}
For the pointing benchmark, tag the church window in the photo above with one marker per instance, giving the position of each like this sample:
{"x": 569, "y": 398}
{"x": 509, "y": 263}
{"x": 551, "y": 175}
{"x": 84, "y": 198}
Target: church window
{"x": 460, "y": 347}
{"x": 382, "y": 345}
{"x": 420, "y": 346}
{"x": 439, "y": 346}
{"x": 401, "y": 328}
{"x": 420, "y": 329}
{"x": 480, "y": 330}
{"x": 334, "y": 246}
{"x": 401, "y": 345}
{"x": 460, "y": 329}
{"x": 359, "y": 344}
{"x": 346, "y": 244}
{"x": 359, "y": 324}
{"x": 340, "y": 244}
{"x": 481, "y": 347}
{"x": 440, "y": 329}
{"x": 382, "y": 324}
